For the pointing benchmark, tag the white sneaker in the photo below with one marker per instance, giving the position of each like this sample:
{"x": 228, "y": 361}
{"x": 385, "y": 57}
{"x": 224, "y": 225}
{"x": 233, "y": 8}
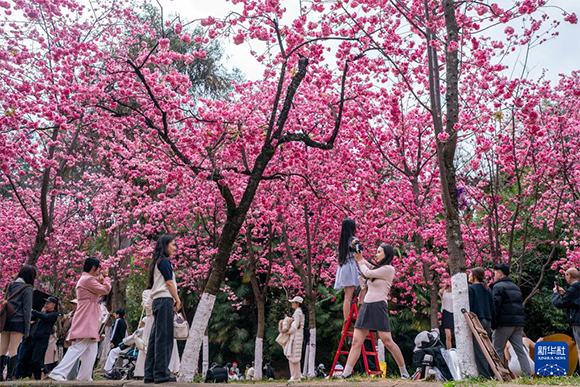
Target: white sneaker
{"x": 291, "y": 380}
{"x": 57, "y": 377}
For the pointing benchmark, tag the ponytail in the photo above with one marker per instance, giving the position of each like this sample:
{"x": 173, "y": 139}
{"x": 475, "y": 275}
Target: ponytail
{"x": 479, "y": 274}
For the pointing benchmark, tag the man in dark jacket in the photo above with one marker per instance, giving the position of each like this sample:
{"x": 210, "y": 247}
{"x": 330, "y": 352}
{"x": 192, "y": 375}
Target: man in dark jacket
{"x": 34, "y": 346}
{"x": 119, "y": 328}
{"x": 570, "y": 300}
{"x": 509, "y": 317}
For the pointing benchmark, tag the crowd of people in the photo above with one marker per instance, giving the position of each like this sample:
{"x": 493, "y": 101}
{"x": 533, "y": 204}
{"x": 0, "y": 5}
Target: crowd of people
{"x": 29, "y": 338}
{"x": 27, "y": 334}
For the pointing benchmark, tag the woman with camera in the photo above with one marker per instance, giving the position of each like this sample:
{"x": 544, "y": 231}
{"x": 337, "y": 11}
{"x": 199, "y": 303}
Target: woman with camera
{"x": 374, "y": 313}
{"x": 347, "y": 273}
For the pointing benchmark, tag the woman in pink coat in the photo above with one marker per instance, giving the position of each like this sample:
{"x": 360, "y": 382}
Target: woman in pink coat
{"x": 84, "y": 331}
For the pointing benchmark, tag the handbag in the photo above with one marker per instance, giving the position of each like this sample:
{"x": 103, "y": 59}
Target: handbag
{"x": 180, "y": 327}
{"x": 6, "y": 310}
{"x": 139, "y": 342}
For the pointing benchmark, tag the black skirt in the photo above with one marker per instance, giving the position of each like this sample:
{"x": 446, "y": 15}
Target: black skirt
{"x": 374, "y": 316}
{"x": 14, "y": 327}
{"x": 447, "y": 320}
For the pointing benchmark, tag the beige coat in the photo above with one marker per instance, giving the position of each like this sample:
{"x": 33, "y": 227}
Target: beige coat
{"x": 52, "y": 354}
{"x": 293, "y": 348}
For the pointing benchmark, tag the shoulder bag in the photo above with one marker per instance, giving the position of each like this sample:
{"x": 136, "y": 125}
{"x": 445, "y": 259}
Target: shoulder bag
{"x": 6, "y": 310}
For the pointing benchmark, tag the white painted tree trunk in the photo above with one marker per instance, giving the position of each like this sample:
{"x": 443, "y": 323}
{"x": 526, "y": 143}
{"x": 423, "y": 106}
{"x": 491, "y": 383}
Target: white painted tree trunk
{"x": 190, "y": 358}
{"x": 312, "y": 354}
{"x": 381, "y": 350}
{"x": 306, "y": 358}
{"x": 258, "y": 357}
{"x": 463, "y": 338}
{"x": 205, "y": 357}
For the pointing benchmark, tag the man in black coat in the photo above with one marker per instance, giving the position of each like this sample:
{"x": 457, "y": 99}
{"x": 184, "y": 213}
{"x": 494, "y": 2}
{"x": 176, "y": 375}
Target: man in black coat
{"x": 35, "y": 345}
{"x": 119, "y": 329}
{"x": 570, "y": 300}
{"x": 509, "y": 319}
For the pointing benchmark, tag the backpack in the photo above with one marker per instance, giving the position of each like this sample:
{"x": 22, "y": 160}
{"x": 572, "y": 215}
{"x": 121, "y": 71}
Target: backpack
{"x": 216, "y": 375}
{"x": 6, "y": 310}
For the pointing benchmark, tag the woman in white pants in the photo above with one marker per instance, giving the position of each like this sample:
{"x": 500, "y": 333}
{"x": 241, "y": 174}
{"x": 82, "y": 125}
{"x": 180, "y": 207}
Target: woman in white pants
{"x": 85, "y": 324}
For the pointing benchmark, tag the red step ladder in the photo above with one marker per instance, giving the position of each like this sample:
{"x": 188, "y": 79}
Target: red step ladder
{"x": 345, "y": 333}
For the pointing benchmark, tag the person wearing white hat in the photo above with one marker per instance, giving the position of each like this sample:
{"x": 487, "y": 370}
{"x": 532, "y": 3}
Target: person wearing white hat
{"x": 293, "y": 348}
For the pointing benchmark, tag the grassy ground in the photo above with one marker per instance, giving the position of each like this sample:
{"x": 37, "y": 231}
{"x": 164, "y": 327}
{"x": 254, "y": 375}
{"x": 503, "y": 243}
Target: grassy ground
{"x": 547, "y": 381}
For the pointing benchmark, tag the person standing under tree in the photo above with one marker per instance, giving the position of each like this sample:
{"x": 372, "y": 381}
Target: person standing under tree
{"x": 447, "y": 313}
{"x": 374, "y": 313}
{"x": 19, "y": 295}
{"x": 34, "y": 346}
{"x": 293, "y": 348}
{"x": 509, "y": 317}
{"x": 85, "y": 324}
{"x": 570, "y": 300}
{"x": 347, "y": 273}
{"x": 481, "y": 303}
{"x": 165, "y": 302}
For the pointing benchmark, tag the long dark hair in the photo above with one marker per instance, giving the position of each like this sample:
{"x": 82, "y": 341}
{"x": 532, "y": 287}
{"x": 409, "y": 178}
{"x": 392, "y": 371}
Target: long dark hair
{"x": 347, "y": 231}
{"x": 389, "y": 255}
{"x": 159, "y": 253}
{"x": 479, "y": 274}
{"x": 28, "y": 274}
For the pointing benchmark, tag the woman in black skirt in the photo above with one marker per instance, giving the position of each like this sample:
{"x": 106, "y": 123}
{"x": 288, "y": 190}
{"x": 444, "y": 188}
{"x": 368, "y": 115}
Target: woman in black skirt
{"x": 374, "y": 313}
{"x": 19, "y": 294}
{"x": 447, "y": 313}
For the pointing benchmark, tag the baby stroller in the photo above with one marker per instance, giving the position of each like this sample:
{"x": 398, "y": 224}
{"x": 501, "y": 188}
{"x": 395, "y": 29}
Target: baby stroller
{"x": 429, "y": 357}
{"x": 124, "y": 368}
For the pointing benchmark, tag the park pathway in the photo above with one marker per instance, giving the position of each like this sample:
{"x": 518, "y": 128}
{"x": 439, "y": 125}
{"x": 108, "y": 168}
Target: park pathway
{"x": 316, "y": 383}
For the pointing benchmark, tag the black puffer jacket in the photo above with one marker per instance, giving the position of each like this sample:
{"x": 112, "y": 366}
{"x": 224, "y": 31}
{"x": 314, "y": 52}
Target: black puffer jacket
{"x": 571, "y": 302}
{"x": 508, "y": 304}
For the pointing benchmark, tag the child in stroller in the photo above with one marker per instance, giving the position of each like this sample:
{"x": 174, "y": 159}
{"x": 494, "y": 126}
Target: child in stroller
{"x": 121, "y": 361}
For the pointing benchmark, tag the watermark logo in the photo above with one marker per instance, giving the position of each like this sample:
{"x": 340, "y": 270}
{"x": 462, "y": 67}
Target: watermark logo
{"x": 552, "y": 358}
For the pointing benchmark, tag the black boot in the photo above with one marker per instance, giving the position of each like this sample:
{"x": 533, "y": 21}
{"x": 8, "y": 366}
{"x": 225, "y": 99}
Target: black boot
{"x": 11, "y": 367}
{"x": 3, "y": 362}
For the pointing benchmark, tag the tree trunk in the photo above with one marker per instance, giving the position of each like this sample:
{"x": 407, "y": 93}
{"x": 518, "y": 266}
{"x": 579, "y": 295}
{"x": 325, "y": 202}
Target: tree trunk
{"x": 311, "y": 373}
{"x": 433, "y": 305}
{"x": 258, "y": 350}
{"x": 205, "y": 358}
{"x": 236, "y": 216}
{"x": 37, "y": 249}
{"x": 190, "y": 358}
{"x": 305, "y": 362}
{"x": 446, "y": 158}
{"x": 258, "y": 357}
{"x": 44, "y": 229}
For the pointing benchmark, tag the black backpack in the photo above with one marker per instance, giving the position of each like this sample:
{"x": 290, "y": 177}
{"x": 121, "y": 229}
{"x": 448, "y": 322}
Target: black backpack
{"x": 216, "y": 374}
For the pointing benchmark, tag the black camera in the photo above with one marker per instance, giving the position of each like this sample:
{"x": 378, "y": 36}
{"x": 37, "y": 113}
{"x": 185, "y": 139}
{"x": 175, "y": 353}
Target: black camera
{"x": 356, "y": 247}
